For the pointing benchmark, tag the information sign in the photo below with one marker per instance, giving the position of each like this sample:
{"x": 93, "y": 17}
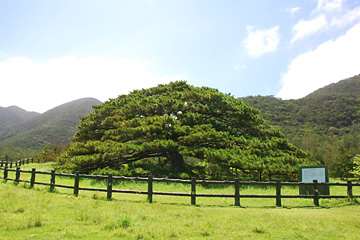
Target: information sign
{"x": 310, "y": 173}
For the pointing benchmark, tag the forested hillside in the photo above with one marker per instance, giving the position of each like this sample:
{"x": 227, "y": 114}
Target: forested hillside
{"x": 326, "y": 122}
{"x": 55, "y": 126}
{"x": 10, "y": 116}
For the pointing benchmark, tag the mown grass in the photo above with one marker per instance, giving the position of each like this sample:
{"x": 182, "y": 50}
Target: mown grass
{"x": 38, "y": 214}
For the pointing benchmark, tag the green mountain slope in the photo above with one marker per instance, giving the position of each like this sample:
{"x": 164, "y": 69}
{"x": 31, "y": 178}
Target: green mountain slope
{"x": 326, "y": 122}
{"x": 57, "y": 125}
{"x": 11, "y": 116}
{"x": 335, "y": 107}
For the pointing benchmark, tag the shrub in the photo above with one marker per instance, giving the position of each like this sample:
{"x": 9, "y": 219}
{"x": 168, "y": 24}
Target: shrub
{"x": 356, "y": 170}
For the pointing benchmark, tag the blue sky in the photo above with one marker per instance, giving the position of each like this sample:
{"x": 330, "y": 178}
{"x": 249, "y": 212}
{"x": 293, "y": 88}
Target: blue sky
{"x": 52, "y": 52}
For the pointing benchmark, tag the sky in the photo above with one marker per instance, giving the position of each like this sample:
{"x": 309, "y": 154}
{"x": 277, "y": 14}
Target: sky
{"x": 53, "y": 52}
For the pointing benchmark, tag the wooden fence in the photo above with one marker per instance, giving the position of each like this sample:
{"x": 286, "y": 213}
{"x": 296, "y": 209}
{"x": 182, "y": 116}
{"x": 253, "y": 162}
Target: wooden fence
{"x": 193, "y": 182}
{"x": 18, "y": 163}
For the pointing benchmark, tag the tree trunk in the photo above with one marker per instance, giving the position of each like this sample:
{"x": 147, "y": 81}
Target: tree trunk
{"x": 177, "y": 162}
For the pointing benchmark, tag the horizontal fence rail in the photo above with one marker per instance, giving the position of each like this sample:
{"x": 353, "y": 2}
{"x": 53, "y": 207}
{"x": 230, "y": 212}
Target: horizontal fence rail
{"x": 193, "y": 182}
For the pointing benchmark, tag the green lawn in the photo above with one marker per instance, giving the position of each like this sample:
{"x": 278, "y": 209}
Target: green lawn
{"x": 38, "y": 214}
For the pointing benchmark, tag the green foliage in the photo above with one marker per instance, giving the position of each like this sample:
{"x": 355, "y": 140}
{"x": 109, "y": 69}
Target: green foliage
{"x": 356, "y": 170}
{"x": 330, "y": 110}
{"x": 343, "y": 166}
{"x": 14, "y": 153}
{"x": 325, "y": 123}
{"x": 168, "y": 122}
{"x": 51, "y": 154}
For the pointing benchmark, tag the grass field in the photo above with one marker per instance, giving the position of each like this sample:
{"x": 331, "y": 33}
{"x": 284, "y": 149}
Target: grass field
{"x": 38, "y": 214}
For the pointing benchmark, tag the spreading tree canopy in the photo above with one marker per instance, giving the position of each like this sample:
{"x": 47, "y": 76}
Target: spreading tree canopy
{"x": 181, "y": 128}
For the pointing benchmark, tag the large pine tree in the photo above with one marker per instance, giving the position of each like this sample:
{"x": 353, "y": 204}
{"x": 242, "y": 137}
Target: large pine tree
{"x": 168, "y": 122}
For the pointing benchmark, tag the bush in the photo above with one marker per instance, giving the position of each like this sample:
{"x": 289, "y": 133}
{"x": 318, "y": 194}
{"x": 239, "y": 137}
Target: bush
{"x": 356, "y": 170}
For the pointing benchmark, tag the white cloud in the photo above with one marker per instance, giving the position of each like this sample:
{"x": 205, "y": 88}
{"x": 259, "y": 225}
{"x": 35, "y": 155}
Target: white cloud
{"x": 330, "y": 62}
{"x": 260, "y": 42}
{"x": 305, "y": 28}
{"x": 328, "y": 14}
{"x": 329, "y": 5}
{"x": 42, "y": 86}
{"x": 348, "y": 18}
{"x": 293, "y": 10}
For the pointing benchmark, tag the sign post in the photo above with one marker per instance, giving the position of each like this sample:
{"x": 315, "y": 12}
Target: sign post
{"x": 310, "y": 173}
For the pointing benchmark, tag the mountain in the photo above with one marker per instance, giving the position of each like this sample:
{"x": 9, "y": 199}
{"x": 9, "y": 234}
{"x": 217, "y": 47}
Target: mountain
{"x": 57, "y": 125}
{"x": 332, "y": 109}
{"x": 11, "y": 116}
{"x": 325, "y": 123}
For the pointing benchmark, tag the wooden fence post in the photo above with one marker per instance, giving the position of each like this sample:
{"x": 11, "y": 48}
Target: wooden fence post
{"x": 17, "y": 175}
{"x": 32, "y": 160}
{"x": 52, "y": 181}
{"x": 278, "y": 193}
{"x": 193, "y": 191}
{"x": 5, "y": 172}
{"x": 237, "y": 192}
{"x": 316, "y": 193}
{"x": 150, "y": 188}
{"x": 349, "y": 190}
{"x": 32, "y": 180}
{"x": 109, "y": 187}
{"x": 11, "y": 164}
{"x": 76, "y": 184}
